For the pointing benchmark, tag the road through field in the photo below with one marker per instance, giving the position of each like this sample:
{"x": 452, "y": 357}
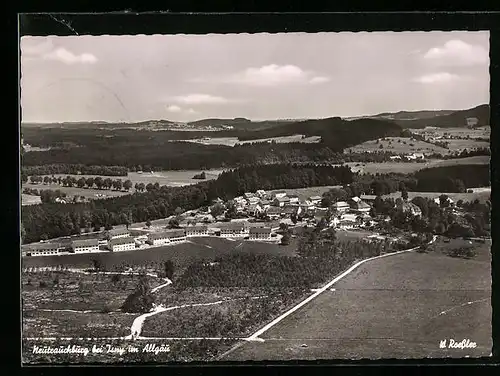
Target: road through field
{"x": 402, "y": 306}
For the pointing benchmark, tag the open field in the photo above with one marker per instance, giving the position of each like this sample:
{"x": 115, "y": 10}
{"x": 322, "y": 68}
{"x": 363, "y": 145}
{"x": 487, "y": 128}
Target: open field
{"x": 459, "y": 145}
{"x": 286, "y": 139}
{"x": 398, "y": 145}
{"x": 74, "y": 324}
{"x": 29, "y": 199}
{"x": 305, "y": 193}
{"x": 232, "y": 141}
{"x": 75, "y": 191}
{"x": 480, "y": 194}
{"x": 401, "y": 145}
{"x": 410, "y": 167}
{"x": 168, "y": 178}
{"x": 182, "y": 254}
{"x": 401, "y": 306}
{"x": 481, "y": 132}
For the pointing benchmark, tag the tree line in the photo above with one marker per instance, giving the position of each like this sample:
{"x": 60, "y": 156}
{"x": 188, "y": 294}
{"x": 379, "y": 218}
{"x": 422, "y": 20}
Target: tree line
{"x": 90, "y": 182}
{"x": 73, "y": 169}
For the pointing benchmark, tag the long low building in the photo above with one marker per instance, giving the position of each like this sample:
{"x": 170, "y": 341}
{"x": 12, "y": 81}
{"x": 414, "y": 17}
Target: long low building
{"x": 85, "y": 245}
{"x": 121, "y": 244}
{"x": 234, "y": 230}
{"x": 43, "y": 249}
{"x": 260, "y": 233}
{"x": 196, "y": 231}
{"x": 118, "y": 233}
{"x": 167, "y": 237}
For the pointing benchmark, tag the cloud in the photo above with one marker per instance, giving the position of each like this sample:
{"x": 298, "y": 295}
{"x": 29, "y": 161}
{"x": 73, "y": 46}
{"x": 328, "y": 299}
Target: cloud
{"x": 47, "y": 51}
{"x": 269, "y": 75}
{"x": 29, "y": 48}
{"x": 67, "y": 57}
{"x": 437, "y": 78}
{"x": 200, "y": 99}
{"x": 457, "y": 52}
{"x": 174, "y": 108}
{"x": 319, "y": 80}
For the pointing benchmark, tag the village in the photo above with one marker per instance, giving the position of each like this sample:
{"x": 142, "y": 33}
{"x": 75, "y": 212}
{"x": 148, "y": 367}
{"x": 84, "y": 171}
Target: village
{"x": 258, "y": 216}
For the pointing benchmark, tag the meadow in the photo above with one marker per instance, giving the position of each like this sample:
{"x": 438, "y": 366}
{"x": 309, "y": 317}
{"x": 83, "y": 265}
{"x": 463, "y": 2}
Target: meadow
{"x": 398, "y": 145}
{"x": 168, "y": 178}
{"x": 305, "y": 193}
{"x": 411, "y": 167}
{"x": 414, "y": 301}
{"x": 232, "y": 141}
{"x": 29, "y": 199}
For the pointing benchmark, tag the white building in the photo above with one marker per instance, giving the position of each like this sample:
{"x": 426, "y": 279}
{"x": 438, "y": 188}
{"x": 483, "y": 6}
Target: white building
{"x": 279, "y": 194}
{"x": 261, "y": 193}
{"x": 176, "y": 236}
{"x": 234, "y": 230}
{"x": 341, "y": 206}
{"x": 158, "y": 238}
{"x": 121, "y": 244}
{"x": 118, "y": 233}
{"x": 254, "y": 209}
{"x": 315, "y": 199}
{"x": 260, "y": 233}
{"x": 281, "y": 201}
{"x": 253, "y": 200}
{"x": 43, "y": 249}
{"x": 196, "y": 231}
{"x": 85, "y": 246}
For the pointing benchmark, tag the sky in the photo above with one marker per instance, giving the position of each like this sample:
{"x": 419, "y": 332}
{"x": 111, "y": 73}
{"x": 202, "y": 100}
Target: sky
{"x": 256, "y": 76}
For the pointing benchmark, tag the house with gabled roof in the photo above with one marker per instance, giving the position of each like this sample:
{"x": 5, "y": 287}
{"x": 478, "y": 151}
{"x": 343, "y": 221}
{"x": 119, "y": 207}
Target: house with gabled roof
{"x": 121, "y": 244}
{"x": 260, "y": 233}
{"x": 118, "y": 233}
{"x": 85, "y": 245}
{"x": 235, "y": 229}
{"x": 273, "y": 212}
{"x": 281, "y": 201}
{"x": 197, "y": 230}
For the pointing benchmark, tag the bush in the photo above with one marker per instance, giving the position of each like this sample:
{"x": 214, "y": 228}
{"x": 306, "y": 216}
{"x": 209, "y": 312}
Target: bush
{"x": 462, "y": 252}
{"x": 141, "y": 300}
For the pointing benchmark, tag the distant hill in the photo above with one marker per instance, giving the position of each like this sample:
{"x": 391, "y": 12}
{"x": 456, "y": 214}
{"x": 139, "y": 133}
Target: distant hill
{"x": 435, "y": 118}
{"x": 239, "y": 123}
{"x": 412, "y": 115}
{"x": 334, "y": 132}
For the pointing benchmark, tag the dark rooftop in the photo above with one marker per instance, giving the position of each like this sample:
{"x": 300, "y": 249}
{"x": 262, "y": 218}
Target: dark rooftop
{"x": 85, "y": 243}
{"x": 119, "y": 241}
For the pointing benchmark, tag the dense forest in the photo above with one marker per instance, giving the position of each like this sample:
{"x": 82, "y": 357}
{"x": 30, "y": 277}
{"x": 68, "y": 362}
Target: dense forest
{"x": 335, "y": 132}
{"x": 52, "y": 220}
{"x": 453, "y": 178}
{"x": 302, "y": 153}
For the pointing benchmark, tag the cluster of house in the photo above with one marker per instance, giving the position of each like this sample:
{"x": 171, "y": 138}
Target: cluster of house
{"x": 408, "y": 157}
{"x": 275, "y": 205}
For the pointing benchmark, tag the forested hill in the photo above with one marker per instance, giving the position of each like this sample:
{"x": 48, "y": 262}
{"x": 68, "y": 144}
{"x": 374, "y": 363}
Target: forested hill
{"x": 335, "y": 132}
{"x": 455, "y": 119}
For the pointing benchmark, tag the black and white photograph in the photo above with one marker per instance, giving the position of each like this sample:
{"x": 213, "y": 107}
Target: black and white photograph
{"x": 255, "y": 197}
